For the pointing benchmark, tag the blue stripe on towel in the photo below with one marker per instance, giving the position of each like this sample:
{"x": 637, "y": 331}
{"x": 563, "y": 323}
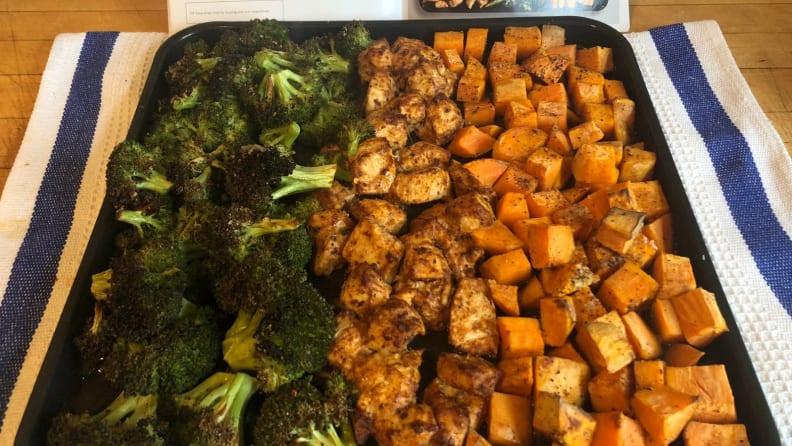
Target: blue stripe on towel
{"x": 731, "y": 156}
{"x": 36, "y": 265}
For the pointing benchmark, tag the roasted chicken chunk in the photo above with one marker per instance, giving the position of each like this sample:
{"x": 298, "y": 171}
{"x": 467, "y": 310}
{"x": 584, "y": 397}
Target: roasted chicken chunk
{"x": 421, "y": 155}
{"x": 389, "y": 215}
{"x": 393, "y": 325}
{"x": 472, "y": 325}
{"x": 330, "y": 229}
{"x": 363, "y": 289}
{"x": 377, "y": 57}
{"x": 371, "y": 243}
{"x": 373, "y": 167}
{"x": 421, "y": 186}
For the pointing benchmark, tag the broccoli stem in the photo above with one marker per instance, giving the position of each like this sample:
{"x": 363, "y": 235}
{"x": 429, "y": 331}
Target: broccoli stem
{"x": 127, "y": 411}
{"x": 100, "y": 284}
{"x": 239, "y": 344}
{"x": 281, "y": 137}
{"x": 157, "y": 183}
{"x": 288, "y": 85}
{"x": 138, "y": 219}
{"x": 272, "y": 60}
{"x": 305, "y": 179}
{"x": 226, "y": 394}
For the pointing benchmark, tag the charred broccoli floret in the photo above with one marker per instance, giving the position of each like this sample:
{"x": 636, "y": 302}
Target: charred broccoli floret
{"x": 211, "y": 413}
{"x": 128, "y": 420}
{"x": 301, "y": 413}
{"x": 136, "y": 177}
{"x": 352, "y": 39}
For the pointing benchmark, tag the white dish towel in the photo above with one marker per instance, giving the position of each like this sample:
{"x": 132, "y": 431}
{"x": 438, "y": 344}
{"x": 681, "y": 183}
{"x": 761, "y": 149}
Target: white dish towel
{"x": 732, "y": 162}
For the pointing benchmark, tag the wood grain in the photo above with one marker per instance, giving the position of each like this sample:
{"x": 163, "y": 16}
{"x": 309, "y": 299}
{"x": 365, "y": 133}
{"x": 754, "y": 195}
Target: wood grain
{"x": 758, "y": 33}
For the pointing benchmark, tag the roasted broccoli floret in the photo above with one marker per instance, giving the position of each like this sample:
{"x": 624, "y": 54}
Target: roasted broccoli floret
{"x": 286, "y": 336}
{"x": 187, "y": 76}
{"x": 301, "y": 413}
{"x": 305, "y": 179}
{"x": 172, "y": 361}
{"x": 351, "y": 39}
{"x": 136, "y": 177}
{"x": 282, "y": 137}
{"x": 212, "y": 413}
{"x": 252, "y": 36}
{"x": 128, "y": 420}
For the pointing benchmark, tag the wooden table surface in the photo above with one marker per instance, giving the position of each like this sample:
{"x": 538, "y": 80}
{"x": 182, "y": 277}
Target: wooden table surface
{"x": 758, "y": 33}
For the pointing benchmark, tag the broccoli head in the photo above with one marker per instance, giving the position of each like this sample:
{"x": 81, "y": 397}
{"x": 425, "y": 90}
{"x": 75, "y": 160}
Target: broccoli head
{"x": 352, "y": 39}
{"x": 211, "y": 413}
{"x": 252, "y": 36}
{"x": 252, "y": 173}
{"x": 301, "y": 413}
{"x": 135, "y": 176}
{"x": 285, "y": 337}
{"x": 126, "y": 421}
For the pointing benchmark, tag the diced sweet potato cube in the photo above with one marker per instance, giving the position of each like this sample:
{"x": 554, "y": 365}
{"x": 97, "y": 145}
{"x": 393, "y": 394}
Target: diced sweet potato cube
{"x": 637, "y": 164}
{"x": 593, "y": 163}
{"x": 504, "y": 297}
{"x": 568, "y": 351}
{"x": 517, "y": 375}
{"x": 642, "y": 251}
{"x": 597, "y": 58}
{"x": 566, "y": 279}
{"x": 502, "y": 52}
{"x": 663, "y": 412}
{"x": 548, "y": 93}
{"x": 644, "y": 341}
{"x": 530, "y": 294}
{"x": 496, "y": 238}
{"x": 470, "y": 142}
{"x": 708, "y": 434}
{"x": 561, "y": 421}
{"x": 711, "y": 385}
{"x": 545, "y": 165}
{"x": 614, "y": 88}
{"x": 470, "y": 89}
{"x": 665, "y": 321}
{"x": 563, "y": 377}
{"x": 550, "y": 245}
{"x": 544, "y": 203}
{"x": 674, "y": 275}
{"x": 479, "y": 113}
{"x": 515, "y": 144}
{"x": 682, "y": 355}
{"x": 512, "y": 207}
{"x": 612, "y": 391}
{"x": 444, "y": 40}
{"x": 475, "y": 44}
{"x": 649, "y": 373}
{"x": 627, "y": 289}
{"x": 551, "y": 114}
{"x": 552, "y": 35}
{"x": 660, "y": 232}
{"x": 519, "y": 336}
{"x": 618, "y": 229}
{"x": 515, "y": 179}
{"x": 509, "y": 268}
{"x": 600, "y": 114}
{"x": 509, "y": 420}
{"x": 453, "y": 61}
{"x": 623, "y": 119}
{"x": 547, "y": 68}
{"x": 604, "y": 343}
{"x": 578, "y": 218}
{"x": 617, "y": 429}
{"x": 649, "y": 198}
{"x": 699, "y": 317}
{"x": 508, "y": 90}
{"x": 557, "y": 317}
{"x": 519, "y": 114}
{"x": 587, "y": 306}
{"x": 527, "y": 39}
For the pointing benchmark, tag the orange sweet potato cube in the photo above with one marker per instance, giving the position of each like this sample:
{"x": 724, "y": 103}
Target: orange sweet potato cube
{"x": 509, "y": 419}
{"x": 479, "y": 113}
{"x": 475, "y": 44}
{"x": 551, "y": 114}
{"x": 585, "y": 133}
{"x": 504, "y": 297}
{"x": 617, "y": 429}
{"x": 663, "y": 412}
{"x": 557, "y": 315}
{"x": 544, "y": 203}
{"x": 674, "y": 275}
{"x": 563, "y": 422}
{"x": 665, "y": 321}
{"x": 604, "y": 343}
{"x": 627, "y": 289}
{"x": 623, "y": 119}
{"x": 699, "y": 317}
{"x": 637, "y": 164}
{"x": 545, "y": 165}
{"x": 496, "y": 238}
{"x": 612, "y": 391}
{"x": 645, "y": 342}
{"x": 682, "y": 355}
{"x": 509, "y": 268}
{"x": 515, "y": 179}
{"x": 619, "y": 228}
{"x": 601, "y": 115}
{"x": 444, "y": 40}
{"x": 566, "y": 279}
{"x": 519, "y": 336}
{"x": 527, "y": 39}
{"x": 519, "y": 114}
{"x": 502, "y": 52}
{"x": 530, "y": 293}
{"x": 649, "y": 373}
{"x": 550, "y": 245}
{"x": 614, "y": 88}
{"x": 660, "y": 232}
{"x": 563, "y": 377}
{"x": 506, "y": 91}
{"x": 597, "y": 58}
{"x": 709, "y": 434}
{"x": 517, "y": 375}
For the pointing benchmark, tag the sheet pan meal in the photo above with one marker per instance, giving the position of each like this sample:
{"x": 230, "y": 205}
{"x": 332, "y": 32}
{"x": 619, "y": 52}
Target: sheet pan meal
{"x": 349, "y": 240}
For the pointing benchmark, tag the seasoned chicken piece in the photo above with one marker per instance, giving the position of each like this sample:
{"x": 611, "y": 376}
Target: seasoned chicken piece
{"x": 421, "y": 155}
{"x": 443, "y": 119}
{"x": 335, "y": 197}
{"x": 463, "y": 256}
{"x": 452, "y": 417}
{"x": 410, "y": 105}
{"x": 412, "y": 425}
{"x": 393, "y": 325}
{"x": 430, "y": 298}
{"x": 371, "y": 243}
{"x": 373, "y": 167}
{"x": 330, "y": 229}
{"x": 377, "y": 57}
{"x": 468, "y": 212}
{"x": 381, "y": 90}
{"x": 391, "y": 126}
{"x": 464, "y": 182}
{"x": 421, "y": 186}
{"x": 382, "y": 212}
{"x": 363, "y": 289}
{"x": 409, "y": 53}
{"x": 470, "y": 373}
{"x": 431, "y": 224}
{"x": 423, "y": 261}
{"x": 387, "y": 382}
{"x": 430, "y": 79}
{"x": 472, "y": 325}
{"x": 348, "y": 344}
{"x": 441, "y": 394}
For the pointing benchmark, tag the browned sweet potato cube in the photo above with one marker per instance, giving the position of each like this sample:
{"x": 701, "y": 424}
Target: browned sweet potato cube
{"x": 604, "y": 343}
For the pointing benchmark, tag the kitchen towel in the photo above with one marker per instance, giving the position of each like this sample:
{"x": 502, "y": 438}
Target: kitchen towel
{"x": 732, "y": 162}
